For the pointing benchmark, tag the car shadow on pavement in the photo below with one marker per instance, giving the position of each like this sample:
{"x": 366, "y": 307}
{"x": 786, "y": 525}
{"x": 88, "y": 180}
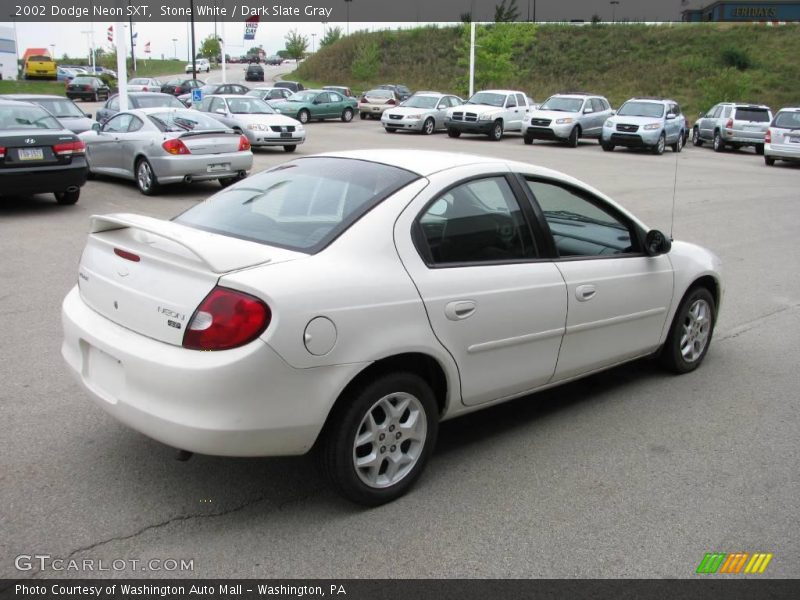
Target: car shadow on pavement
{"x": 21, "y": 205}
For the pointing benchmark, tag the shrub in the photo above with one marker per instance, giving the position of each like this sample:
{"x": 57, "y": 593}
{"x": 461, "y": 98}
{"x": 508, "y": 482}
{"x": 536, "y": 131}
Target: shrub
{"x": 736, "y": 58}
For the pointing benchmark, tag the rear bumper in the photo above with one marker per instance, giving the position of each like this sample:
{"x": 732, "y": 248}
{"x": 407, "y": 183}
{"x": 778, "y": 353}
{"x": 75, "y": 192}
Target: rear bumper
{"x": 744, "y": 138}
{"x": 42, "y": 180}
{"x": 82, "y": 95}
{"x": 241, "y": 402}
{"x": 470, "y": 126}
{"x": 172, "y": 169}
{"x": 782, "y": 151}
{"x": 372, "y": 109}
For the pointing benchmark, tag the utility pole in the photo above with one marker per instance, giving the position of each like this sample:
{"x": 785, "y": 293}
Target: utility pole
{"x": 614, "y": 4}
{"x": 194, "y": 52}
{"x": 133, "y": 49}
{"x": 471, "y": 58}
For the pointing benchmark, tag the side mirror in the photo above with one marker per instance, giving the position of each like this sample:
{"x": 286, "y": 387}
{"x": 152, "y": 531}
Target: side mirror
{"x": 701, "y": 115}
{"x": 220, "y": 111}
{"x": 671, "y": 116}
{"x": 96, "y": 127}
{"x": 88, "y": 115}
{"x": 588, "y": 111}
{"x": 613, "y": 112}
{"x": 315, "y": 101}
{"x": 656, "y": 243}
{"x": 441, "y": 107}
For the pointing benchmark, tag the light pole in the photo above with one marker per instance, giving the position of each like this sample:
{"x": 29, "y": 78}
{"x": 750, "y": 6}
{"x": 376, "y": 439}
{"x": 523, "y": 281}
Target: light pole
{"x": 614, "y": 4}
{"x": 313, "y": 43}
{"x": 347, "y": 6}
{"x": 175, "y": 47}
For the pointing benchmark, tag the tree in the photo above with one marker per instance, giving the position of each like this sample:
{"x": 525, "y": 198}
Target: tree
{"x": 296, "y": 44}
{"x": 367, "y": 62}
{"x": 333, "y": 34}
{"x": 506, "y": 14}
{"x": 210, "y": 47}
{"x": 254, "y": 50}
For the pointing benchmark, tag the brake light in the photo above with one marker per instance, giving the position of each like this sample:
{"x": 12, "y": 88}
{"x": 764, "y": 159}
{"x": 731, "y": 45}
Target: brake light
{"x": 391, "y": 101}
{"x": 767, "y": 138}
{"x": 729, "y": 124}
{"x": 226, "y": 319}
{"x": 244, "y": 143}
{"x": 69, "y": 148}
{"x": 363, "y": 99}
{"x": 175, "y": 146}
{"x": 127, "y": 255}
{"x": 145, "y": 89}
{"x": 2, "y": 152}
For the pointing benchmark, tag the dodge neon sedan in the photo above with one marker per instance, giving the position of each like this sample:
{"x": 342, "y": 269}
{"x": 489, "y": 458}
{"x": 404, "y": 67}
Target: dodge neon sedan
{"x": 351, "y": 302}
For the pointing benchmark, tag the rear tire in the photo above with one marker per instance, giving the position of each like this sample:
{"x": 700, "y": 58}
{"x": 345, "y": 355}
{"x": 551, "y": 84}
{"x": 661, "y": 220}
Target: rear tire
{"x": 303, "y": 116}
{"x": 718, "y": 144}
{"x": 347, "y": 115}
{"x": 395, "y": 419}
{"x": 227, "y": 181}
{"x": 454, "y": 133}
{"x": 769, "y": 161}
{"x": 696, "y": 137}
{"x": 691, "y": 332}
{"x": 363, "y": 116}
{"x": 290, "y": 148}
{"x": 760, "y": 149}
{"x": 146, "y": 179}
{"x": 66, "y": 198}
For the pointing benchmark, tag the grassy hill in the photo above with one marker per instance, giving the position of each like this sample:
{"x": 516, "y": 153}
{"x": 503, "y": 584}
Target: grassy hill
{"x": 696, "y": 64}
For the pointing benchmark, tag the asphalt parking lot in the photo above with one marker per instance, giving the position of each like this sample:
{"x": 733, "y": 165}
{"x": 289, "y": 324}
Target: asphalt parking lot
{"x": 630, "y": 473}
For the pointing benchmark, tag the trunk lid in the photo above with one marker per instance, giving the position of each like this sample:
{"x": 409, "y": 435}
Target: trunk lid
{"x": 150, "y": 275}
{"x": 210, "y": 142}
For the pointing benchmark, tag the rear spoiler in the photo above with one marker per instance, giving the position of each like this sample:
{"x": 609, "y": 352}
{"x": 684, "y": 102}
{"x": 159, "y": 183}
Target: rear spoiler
{"x": 231, "y": 255}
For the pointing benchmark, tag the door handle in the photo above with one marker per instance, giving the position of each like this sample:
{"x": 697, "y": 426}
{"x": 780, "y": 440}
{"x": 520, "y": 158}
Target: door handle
{"x": 585, "y": 292}
{"x": 461, "y": 309}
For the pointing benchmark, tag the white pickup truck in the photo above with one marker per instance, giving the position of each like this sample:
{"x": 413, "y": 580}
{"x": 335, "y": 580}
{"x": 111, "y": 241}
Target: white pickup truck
{"x": 490, "y": 112}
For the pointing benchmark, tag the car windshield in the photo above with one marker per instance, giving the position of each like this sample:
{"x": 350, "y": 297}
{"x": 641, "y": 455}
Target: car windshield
{"x": 787, "y": 120}
{"x": 302, "y": 97}
{"x": 487, "y": 98}
{"x": 642, "y": 109}
{"x": 562, "y": 104}
{"x": 421, "y": 102}
{"x": 184, "y": 120}
{"x": 26, "y": 117}
{"x": 157, "y": 101}
{"x": 60, "y": 107}
{"x": 301, "y": 205}
{"x": 758, "y": 115}
{"x": 84, "y": 80}
{"x": 249, "y": 106}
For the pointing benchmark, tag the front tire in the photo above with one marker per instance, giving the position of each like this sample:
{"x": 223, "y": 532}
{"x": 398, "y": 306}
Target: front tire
{"x": 347, "y": 115}
{"x": 303, "y": 116}
{"x": 428, "y": 127}
{"x": 290, "y": 148}
{"x": 496, "y": 134}
{"x": 453, "y": 133}
{"x": 67, "y": 198}
{"x": 146, "y": 179}
{"x": 574, "y": 136}
{"x": 378, "y": 439}
{"x": 696, "y": 137}
{"x": 691, "y": 331}
{"x": 660, "y": 146}
{"x": 527, "y": 140}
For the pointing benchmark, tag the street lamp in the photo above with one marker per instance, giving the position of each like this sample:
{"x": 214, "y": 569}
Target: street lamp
{"x": 313, "y": 43}
{"x": 614, "y": 4}
{"x": 175, "y": 47}
{"x": 347, "y": 6}
{"x": 53, "y": 51}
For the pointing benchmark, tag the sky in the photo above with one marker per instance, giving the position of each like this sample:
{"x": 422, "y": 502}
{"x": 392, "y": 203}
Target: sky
{"x": 68, "y": 37}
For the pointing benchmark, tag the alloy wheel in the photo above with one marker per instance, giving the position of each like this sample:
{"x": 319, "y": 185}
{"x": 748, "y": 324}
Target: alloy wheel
{"x": 695, "y": 330}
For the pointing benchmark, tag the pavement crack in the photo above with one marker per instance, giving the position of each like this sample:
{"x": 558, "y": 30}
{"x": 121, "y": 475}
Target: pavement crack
{"x": 752, "y": 324}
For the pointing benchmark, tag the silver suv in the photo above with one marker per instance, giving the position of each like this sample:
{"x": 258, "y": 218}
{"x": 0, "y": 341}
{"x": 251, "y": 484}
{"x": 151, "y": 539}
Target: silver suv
{"x": 568, "y": 117}
{"x": 733, "y": 124}
{"x": 782, "y": 141}
{"x": 652, "y": 123}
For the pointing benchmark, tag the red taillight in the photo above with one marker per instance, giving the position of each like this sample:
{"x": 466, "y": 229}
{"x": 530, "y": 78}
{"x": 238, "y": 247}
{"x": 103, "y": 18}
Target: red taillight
{"x": 767, "y": 138}
{"x": 729, "y": 124}
{"x": 363, "y": 99}
{"x": 68, "y": 148}
{"x": 226, "y": 319}
{"x": 175, "y": 146}
{"x": 391, "y": 101}
{"x": 2, "y": 152}
{"x": 126, "y": 255}
{"x": 244, "y": 143}
{"x": 144, "y": 89}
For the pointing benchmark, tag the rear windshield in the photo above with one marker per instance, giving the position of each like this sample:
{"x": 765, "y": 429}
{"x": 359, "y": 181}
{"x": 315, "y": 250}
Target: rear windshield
{"x": 760, "y": 115}
{"x": 26, "y": 117}
{"x": 381, "y": 93}
{"x": 60, "y": 107}
{"x": 302, "y": 205}
{"x": 39, "y": 58}
{"x": 157, "y": 101}
{"x": 185, "y": 120}
{"x": 787, "y": 120}
{"x": 84, "y": 80}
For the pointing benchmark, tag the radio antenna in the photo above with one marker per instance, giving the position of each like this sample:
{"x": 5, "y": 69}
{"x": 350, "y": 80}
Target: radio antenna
{"x": 674, "y": 194}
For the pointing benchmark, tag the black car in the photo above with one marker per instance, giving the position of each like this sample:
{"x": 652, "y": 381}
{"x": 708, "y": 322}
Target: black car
{"x": 176, "y": 87}
{"x": 63, "y": 109}
{"x": 38, "y": 155}
{"x": 290, "y": 85}
{"x": 254, "y": 73}
{"x": 137, "y": 100}
{"x": 274, "y": 60}
{"x": 88, "y": 88}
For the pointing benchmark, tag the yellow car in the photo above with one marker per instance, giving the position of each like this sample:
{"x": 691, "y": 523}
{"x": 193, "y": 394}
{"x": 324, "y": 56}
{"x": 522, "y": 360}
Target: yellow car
{"x": 39, "y": 66}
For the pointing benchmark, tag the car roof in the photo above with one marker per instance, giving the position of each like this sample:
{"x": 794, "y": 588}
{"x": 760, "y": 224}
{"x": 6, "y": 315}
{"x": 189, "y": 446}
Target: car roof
{"x": 577, "y": 94}
{"x": 789, "y": 108}
{"x": 32, "y": 97}
{"x": 650, "y": 99}
{"x": 12, "y": 102}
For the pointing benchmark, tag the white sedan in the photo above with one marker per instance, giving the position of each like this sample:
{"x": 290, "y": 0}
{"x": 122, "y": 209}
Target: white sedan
{"x": 353, "y": 301}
